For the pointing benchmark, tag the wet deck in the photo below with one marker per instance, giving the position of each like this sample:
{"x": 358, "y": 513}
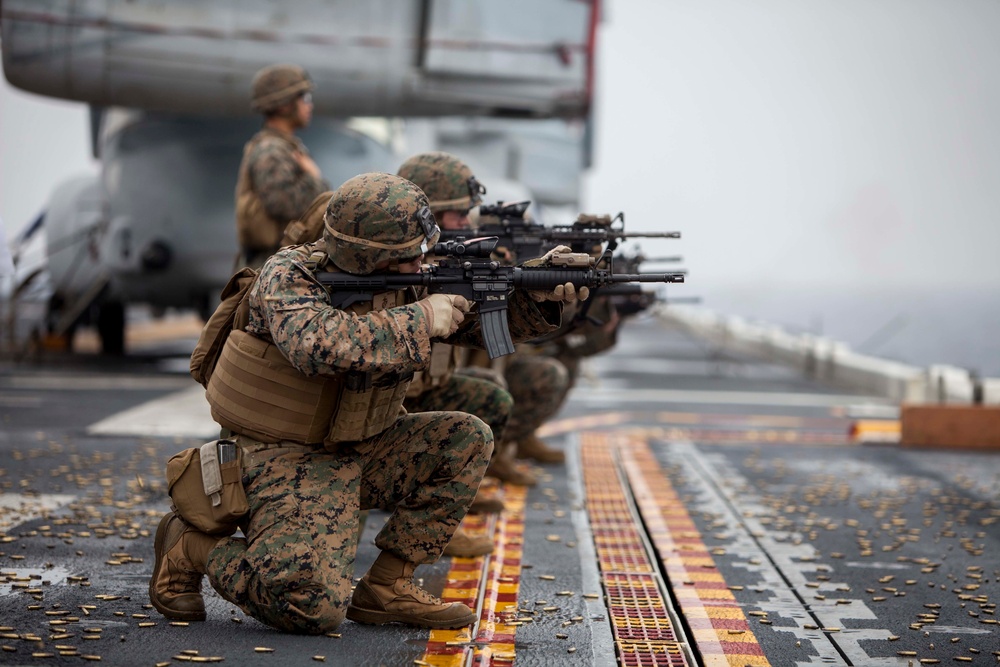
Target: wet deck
{"x": 712, "y": 511}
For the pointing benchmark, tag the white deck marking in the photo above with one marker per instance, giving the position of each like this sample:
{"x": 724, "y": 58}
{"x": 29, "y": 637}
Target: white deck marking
{"x": 19, "y": 401}
{"x": 181, "y": 414}
{"x": 782, "y": 560}
{"x": 68, "y": 382}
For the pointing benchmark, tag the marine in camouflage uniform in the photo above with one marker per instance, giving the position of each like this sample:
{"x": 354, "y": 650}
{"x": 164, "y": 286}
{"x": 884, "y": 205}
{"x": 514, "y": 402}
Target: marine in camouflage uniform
{"x": 277, "y": 178}
{"x": 293, "y": 569}
{"x": 585, "y": 340}
{"x": 483, "y": 397}
{"x": 445, "y": 385}
{"x": 538, "y": 383}
{"x": 453, "y": 190}
{"x": 555, "y": 365}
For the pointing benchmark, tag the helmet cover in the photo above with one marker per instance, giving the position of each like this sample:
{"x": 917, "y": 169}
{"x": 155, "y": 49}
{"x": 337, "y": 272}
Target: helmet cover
{"x": 277, "y": 85}
{"x": 375, "y": 217}
{"x": 447, "y": 181}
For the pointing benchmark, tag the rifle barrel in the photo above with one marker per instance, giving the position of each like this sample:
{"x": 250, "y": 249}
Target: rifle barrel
{"x": 647, "y": 278}
{"x": 649, "y": 235}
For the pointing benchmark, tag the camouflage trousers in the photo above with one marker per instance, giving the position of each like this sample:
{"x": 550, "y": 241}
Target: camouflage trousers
{"x": 293, "y": 570}
{"x": 468, "y": 390}
{"x": 539, "y": 385}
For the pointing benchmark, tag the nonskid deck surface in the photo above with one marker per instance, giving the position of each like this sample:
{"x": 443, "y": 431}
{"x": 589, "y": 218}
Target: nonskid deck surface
{"x": 712, "y": 511}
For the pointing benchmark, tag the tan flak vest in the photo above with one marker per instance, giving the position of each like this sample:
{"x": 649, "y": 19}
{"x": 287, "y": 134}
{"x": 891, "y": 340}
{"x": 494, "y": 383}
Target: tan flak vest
{"x": 255, "y": 229}
{"x": 256, "y": 392}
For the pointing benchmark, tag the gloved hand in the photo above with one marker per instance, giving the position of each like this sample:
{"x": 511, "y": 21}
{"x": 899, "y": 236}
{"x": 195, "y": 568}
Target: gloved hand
{"x": 446, "y": 312}
{"x": 567, "y": 293}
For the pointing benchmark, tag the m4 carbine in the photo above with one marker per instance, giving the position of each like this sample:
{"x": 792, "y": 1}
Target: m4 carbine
{"x": 528, "y": 239}
{"x": 465, "y": 268}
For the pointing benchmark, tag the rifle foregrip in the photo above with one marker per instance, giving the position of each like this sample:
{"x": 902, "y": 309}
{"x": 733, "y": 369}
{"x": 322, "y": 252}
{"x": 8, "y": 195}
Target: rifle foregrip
{"x": 548, "y": 279}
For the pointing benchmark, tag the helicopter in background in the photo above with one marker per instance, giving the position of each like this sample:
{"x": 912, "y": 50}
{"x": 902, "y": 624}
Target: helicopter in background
{"x": 508, "y": 87}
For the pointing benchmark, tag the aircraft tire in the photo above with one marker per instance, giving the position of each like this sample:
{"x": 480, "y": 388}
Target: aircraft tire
{"x": 111, "y": 327}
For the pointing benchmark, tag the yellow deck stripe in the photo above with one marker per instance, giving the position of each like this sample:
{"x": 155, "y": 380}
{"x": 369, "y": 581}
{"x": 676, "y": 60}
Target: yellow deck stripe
{"x": 494, "y": 638}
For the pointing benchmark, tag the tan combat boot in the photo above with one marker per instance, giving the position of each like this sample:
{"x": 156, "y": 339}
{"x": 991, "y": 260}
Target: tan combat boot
{"x": 487, "y": 501}
{"x": 181, "y": 555}
{"x": 505, "y": 469}
{"x": 532, "y": 447}
{"x": 387, "y": 594}
{"x": 466, "y": 545}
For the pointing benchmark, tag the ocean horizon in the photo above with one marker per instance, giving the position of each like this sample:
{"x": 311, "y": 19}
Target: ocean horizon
{"x": 957, "y": 327}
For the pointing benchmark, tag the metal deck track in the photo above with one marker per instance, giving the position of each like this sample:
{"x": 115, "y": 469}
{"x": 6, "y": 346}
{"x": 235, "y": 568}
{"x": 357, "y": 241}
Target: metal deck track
{"x": 716, "y": 620}
{"x": 642, "y": 618}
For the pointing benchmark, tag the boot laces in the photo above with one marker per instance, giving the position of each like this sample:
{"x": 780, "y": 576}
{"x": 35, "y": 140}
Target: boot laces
{"x": 422, "y": 596}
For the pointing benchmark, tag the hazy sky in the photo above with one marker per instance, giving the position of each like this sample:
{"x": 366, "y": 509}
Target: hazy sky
{"x": 821, "y": 142}
{"x": 829, "y": 144}
{"x": 42, "y": 142}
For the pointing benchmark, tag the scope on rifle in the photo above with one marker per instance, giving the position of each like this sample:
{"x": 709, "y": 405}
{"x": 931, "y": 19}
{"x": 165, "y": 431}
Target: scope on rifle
{"x": 514, "y": 209}
{"x": 480, "y": 247}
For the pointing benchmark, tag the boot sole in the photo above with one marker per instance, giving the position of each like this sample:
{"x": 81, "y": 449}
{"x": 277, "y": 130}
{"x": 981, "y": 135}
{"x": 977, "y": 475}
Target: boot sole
{"x": 374, "y": 617}
{"x": 172, "y": 614}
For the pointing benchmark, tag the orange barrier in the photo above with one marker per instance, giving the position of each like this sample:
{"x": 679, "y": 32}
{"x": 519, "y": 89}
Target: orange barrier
{"x": 951, "y": 426}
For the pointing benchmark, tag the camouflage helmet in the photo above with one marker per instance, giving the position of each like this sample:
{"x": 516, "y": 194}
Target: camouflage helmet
{"x": 448, "y": 182}
{"x": 277, "y": 85}
{"x": 376, "y": 217}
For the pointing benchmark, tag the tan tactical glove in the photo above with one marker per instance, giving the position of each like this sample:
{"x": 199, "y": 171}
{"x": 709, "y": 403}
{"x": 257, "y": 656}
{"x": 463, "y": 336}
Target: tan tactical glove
{"x": 446, "y": 312}
{"x": 567, "y": 293}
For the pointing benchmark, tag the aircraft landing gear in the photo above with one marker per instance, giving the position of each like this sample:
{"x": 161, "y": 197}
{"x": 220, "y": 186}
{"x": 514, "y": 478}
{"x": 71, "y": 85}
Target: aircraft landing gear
{"x": 111, "y": 327}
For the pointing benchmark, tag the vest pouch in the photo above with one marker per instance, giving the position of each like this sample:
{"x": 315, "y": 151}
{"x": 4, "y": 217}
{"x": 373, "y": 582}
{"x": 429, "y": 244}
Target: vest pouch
{"x": 208, "y": 492}
{"x": 367, "y": 408}
{"x": 256, "y": 392}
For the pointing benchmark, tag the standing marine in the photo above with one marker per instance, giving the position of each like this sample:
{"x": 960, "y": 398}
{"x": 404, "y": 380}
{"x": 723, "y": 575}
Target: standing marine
{"x": 277, "y": 179}
{"x": 314, "y": 394}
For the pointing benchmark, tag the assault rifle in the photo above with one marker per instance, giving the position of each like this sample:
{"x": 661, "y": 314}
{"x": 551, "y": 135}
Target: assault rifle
{"x": 528, "y": 239}
{"x": 465, "y": 268}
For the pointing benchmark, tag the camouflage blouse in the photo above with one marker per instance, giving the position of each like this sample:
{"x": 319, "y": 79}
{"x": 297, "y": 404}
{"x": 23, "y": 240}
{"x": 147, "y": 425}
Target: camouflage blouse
{"x": 290, "y": 307}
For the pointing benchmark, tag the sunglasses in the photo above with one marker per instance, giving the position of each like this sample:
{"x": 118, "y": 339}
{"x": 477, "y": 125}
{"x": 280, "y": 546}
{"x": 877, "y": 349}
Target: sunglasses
{"x": 307, "y": 98}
